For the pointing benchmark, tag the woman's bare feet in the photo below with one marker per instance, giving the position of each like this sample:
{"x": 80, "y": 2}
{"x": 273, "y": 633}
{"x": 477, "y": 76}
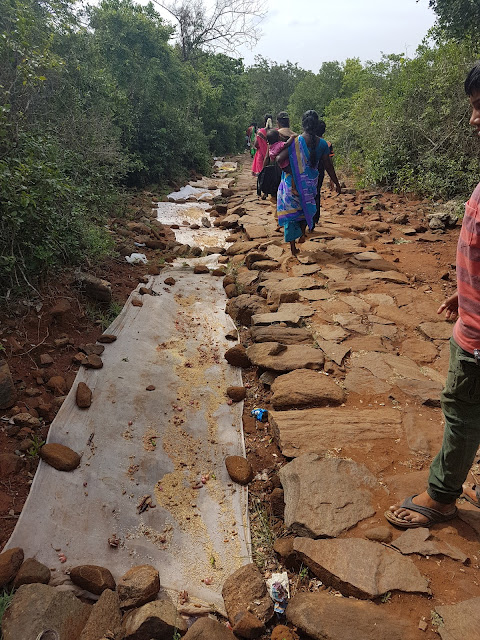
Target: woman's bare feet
{"x": 302, "y": 239}
{"x": 424, "y": 500}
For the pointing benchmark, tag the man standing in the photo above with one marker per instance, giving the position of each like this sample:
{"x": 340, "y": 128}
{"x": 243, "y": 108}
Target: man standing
{"x": 461, "y": 396}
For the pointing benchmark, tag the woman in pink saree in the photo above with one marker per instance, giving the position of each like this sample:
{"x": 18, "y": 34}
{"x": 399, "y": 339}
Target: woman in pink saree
{"x": 261, "y": 145}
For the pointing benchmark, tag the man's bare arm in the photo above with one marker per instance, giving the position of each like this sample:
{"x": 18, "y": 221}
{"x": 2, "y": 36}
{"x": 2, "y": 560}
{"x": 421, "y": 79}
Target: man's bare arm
{"x": 450, "y": 306}
{"x": 330, "y": 169}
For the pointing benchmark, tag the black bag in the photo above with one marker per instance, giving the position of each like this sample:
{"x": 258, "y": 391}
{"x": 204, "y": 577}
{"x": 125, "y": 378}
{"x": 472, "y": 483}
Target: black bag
{"x": 269, "y": 180}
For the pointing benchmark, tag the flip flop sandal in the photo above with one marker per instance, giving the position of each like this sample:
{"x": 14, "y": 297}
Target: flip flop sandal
{"x": 434, "y": 516}
{"x": 476, "y": 503}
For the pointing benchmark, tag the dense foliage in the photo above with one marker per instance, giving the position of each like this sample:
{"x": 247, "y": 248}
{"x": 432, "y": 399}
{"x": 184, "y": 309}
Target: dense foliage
{"x": 404, "y": 123}
{"x": 90, "y": 102}
{"x": 95, "y": 101}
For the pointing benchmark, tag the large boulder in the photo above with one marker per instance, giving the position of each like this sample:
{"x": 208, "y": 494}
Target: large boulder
{"x": 325, "y": 496}
{"x": 36, "y": 607}
{"x": 243, "y": 307}
{"x": 305, "y": 388}
{"x": 322, "y": 617}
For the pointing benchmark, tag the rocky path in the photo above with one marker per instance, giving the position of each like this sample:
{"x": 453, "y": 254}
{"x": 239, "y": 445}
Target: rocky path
{"x": 353, "y": 356}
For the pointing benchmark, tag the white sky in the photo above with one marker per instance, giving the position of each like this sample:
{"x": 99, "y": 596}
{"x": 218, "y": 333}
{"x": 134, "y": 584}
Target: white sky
{"x": 310, "y": 32}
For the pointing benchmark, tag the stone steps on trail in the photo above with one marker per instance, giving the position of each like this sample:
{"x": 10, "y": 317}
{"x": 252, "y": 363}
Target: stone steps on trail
{"x": 324, "y": 429}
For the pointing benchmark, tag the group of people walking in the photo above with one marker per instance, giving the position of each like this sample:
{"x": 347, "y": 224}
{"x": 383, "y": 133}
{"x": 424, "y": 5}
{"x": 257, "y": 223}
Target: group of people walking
{"x": 303, "y": 160}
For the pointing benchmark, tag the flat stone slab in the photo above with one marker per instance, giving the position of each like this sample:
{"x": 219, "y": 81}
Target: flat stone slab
{"x": 426, "y": 391}
{"x": 288, "y": 317}
{"x": 305, "y": 269}
{"x": 330, "y": 332}
{"x": 360, "y": 568}
{"x": 368, "y": 343}
{"x": 315, "y": 294}
{"x": 293, "y": 284}
{"x": 293, "y": 357}
{"x": 323, "y": 617}
{"x": 345, "y": 245}
{"x": 337, "y": 274}
{"x": 246, "y": 278}
{"x": 320, "y": 430}
{"x": 419, "y": 350}
{"x": 255, "y": 231}
{"x": 361, "y": 381}
{"x": 376, "y": 299}
{"x": 461, "y": 621}
{"x": 274, "y": 252}
{"x": 387, "y": 366}
{"x": 238, "y": 248}
{"x": 325, "y": 496}
{"x": 357, "y": 304}
{"x": 367, "y": 256}
{"x": 424, "y": 543}
{"x": 333, "y": 350}
{"x": 303, "y": 310}
{"x": 305, "y": 388}
{"x": 284, "y": 335}
{"x": 387, "y": 276}
{"x": 351, "y": 321}
{"x": 267, "y": 265}
{"x": 437, "y": 330}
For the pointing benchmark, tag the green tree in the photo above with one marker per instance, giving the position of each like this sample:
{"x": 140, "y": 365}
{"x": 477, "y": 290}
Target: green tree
{"x": 316, "y": 91}
{"x": 270, "y": 86}
{"x": 158, "y": 124}
{"x": 223, "y": 106}
{"x": 458, "y": 18}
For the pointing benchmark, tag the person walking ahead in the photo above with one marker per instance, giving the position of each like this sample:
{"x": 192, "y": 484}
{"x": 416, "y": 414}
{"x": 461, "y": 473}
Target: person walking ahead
{"x": 461, "y": 396}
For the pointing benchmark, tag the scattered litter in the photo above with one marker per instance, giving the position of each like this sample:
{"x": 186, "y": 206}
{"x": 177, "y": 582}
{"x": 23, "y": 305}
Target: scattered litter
{"x": 136, "y": 258}
{"x": 139, "y": 244}
{"x": 259, "y": 414}
{"x": 114, "y": 541}
{"x": 145, "y": 504}
{"x": 279, "y": 591}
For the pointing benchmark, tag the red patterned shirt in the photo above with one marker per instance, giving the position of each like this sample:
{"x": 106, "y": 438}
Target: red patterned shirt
{"x": 467, "y": 329}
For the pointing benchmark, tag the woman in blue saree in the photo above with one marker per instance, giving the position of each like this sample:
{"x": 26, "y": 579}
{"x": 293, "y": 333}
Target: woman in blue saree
{"x": 296, "y": 197}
